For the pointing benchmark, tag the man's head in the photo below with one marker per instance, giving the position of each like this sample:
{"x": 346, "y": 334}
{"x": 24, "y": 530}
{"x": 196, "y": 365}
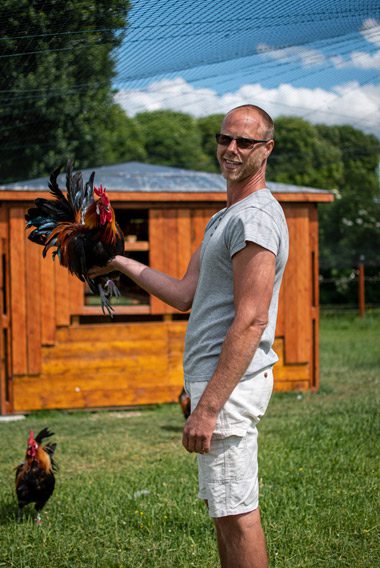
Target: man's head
{"x": 239, "y": 158}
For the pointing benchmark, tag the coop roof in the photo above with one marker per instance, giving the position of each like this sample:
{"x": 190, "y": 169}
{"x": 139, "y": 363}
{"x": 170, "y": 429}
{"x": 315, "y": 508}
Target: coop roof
{"x": 140, "y": 177}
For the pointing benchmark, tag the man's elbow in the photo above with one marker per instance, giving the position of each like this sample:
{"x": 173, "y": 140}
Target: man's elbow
{"x": 257, "y": 323}
{"x": 184, "y": 305}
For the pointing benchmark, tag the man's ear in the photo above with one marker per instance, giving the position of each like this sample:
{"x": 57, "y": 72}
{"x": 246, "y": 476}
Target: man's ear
{"x": 269, "y": 148}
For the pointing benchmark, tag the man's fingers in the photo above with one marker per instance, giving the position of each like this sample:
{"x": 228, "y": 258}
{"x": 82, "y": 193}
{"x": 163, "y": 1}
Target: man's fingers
{"x": 196, "y": 443}
{"x": 188, "y": 442}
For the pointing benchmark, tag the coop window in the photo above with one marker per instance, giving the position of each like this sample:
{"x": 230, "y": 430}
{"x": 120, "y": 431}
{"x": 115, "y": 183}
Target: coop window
{"x": 135, "y": 226}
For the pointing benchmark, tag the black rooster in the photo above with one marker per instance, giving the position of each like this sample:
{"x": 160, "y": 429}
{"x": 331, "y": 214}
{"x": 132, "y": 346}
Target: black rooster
{"x": 35, "y": 479}
{"x": 83, "y": 230}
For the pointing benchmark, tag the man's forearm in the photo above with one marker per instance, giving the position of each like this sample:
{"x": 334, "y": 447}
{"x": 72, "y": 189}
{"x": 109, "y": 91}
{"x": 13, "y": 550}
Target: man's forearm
{"x": 174, "y": 292}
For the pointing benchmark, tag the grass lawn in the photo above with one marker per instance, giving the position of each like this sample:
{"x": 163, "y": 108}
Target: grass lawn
{"x": 126, "y": 490}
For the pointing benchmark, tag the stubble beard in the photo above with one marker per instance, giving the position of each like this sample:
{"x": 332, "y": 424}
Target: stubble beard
{"x": 250, "y": 169}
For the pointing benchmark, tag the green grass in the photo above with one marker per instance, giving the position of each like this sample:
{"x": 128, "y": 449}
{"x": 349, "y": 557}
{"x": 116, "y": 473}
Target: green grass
{"x": 126, "y": 490}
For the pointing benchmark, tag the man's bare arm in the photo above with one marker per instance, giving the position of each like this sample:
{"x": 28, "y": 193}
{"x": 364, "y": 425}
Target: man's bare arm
{"x": 178, "y": 293}
{"x": 253, "y": 272}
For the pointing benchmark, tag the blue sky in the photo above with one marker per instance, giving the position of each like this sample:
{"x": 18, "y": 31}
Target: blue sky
{"x": 318, "y": 59}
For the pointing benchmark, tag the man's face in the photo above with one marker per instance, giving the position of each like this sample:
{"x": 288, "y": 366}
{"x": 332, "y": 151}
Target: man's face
{"x": 238, "y": 164}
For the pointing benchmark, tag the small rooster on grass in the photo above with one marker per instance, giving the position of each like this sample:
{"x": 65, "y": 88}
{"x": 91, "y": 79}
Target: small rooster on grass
{"x": 83, "y": 230}
{"x": 35, "y": 475}
{"x": 184, "y": 402}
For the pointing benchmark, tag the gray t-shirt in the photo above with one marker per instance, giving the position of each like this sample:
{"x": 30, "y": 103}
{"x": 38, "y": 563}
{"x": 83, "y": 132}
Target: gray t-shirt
{"x": 259, "y": 219}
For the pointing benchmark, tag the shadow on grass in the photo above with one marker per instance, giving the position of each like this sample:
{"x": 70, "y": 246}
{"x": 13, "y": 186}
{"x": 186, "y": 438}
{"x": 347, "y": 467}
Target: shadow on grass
{"x": 8, "y": 513}
{"x": 171, "y": 428}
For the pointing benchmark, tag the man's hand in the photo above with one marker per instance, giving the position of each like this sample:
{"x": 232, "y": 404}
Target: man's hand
{"x": 198, "y": 431}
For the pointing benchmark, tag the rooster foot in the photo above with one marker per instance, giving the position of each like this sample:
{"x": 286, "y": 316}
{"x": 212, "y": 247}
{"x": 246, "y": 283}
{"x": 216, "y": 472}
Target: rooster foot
{"x": 106, "y": 304}
{"x": 112, "y": 289}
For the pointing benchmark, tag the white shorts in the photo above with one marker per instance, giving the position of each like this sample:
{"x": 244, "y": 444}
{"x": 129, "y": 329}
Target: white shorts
{"x": 228, "y": 474}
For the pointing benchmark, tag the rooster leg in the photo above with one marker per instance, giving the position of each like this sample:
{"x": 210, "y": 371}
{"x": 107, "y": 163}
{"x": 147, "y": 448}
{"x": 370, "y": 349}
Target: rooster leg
{"x": 113, "y": 290}
{"x": 19, "y": 514}
{"x": 38, "y": 507}
{"x": 106, "y": 305}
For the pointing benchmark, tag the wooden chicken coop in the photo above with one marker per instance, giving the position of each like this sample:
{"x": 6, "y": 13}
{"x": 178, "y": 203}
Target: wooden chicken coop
{"x": 58, "y": 350}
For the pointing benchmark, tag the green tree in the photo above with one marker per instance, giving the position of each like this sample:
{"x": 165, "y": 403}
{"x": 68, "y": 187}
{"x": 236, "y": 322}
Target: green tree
{"x": 303, "y": 157}
{"x": 172, "y": 139}
{"x": 57, "y": 67}
{"x": 350, "y": 227}
{"x": 124, "y": 141}
{"x": 209, "y": 126}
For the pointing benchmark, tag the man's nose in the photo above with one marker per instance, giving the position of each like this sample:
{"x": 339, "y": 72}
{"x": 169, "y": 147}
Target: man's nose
{"x": 232, "y": 145}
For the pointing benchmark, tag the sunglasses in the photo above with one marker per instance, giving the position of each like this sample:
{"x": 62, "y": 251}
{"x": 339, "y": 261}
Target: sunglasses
{"x": 242, "y": 143}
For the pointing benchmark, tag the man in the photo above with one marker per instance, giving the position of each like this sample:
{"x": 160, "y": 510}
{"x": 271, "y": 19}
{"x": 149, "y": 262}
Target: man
{"x": 232, "y": 285}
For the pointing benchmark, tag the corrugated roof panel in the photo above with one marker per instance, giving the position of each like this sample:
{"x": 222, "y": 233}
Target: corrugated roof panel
{"x": 137, "y": 176}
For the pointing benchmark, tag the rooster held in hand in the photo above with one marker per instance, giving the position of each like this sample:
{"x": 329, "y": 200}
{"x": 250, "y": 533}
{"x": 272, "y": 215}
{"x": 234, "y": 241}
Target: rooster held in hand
{"x": 83, "y": 230}
{"x": 35, "y": 476}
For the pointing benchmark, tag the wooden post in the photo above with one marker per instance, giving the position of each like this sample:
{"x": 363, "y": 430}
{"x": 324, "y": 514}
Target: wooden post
{"x": 361, "y": 290}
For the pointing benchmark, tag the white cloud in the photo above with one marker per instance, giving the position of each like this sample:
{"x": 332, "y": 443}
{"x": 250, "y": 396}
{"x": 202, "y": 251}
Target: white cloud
{"x": 349, "y": 103}
{"x": 371, "y": 31}
{"x": 306, "y": 55}
{"x": 362, "y": 59}
{"x": 359, "y": 59}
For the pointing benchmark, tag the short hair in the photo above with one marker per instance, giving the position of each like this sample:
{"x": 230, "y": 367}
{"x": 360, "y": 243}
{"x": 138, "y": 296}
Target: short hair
{"x": 267, "y": 120}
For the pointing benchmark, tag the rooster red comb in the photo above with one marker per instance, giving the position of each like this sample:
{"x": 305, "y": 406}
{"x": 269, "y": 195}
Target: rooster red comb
{"x": 31, "y": 438}
{"x": 100, "y": 191}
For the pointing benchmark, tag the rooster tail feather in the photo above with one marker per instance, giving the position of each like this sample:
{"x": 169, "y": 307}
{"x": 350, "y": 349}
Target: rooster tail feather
{"x": 49, "y": 244}
{"x": 43, "y": 434}
{"x": 88, "y": 195}
{"x": 53, "y": 184}
{"x": 74, "y": 185}
{"x": 77, "y": 189}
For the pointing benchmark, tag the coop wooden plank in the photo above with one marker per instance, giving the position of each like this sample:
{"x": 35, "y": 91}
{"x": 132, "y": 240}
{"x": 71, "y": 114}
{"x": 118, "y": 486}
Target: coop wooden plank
{"x": 38, "y": 399}
{"x": 62, "y": 295}
{"x": 314, "y": 356}
{"x": 33, "y": 307}
{"x": 157, "y": 242}
{"x": 18, "y": 290}
{"x": 297, "y": 283}
{"x": 184, "y": 250}
{"x": 197, "y": 227}
{"x": 70, "y": 365}
{"x": 3, "y": 362}
{"x": 288, "y": 386}
{"x": 119, "y": 331}
{"x": 170, "y": 249}
{"x": 47, "y": 283}
{"x": 111, "y": 349}
{"x": 292, "y": 372}
{"x": 280, "y": 325}
{"x": 76, "y": 295}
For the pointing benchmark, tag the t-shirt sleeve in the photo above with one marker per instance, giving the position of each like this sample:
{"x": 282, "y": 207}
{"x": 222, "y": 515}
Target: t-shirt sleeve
{"x": 253, "y": 225}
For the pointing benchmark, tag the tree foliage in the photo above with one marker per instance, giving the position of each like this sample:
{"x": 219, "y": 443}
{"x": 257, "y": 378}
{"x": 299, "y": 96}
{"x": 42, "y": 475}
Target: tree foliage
{"x": 350, "y": 227}
{"x": 172, "y": 139}
{"x": 303, "y": 157}
{"x": 209, "y": 126}
{"x": 57, "y": 67}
